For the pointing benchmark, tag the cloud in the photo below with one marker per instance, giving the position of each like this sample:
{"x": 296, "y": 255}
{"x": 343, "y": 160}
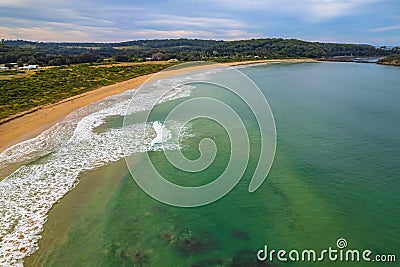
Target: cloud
{"x": 36, "y": 5}
{"x": 43, "y": 34}
{"x": 317, "y": 9}
{"x": 121, "y": 20}
{"x": 109, "y": 23}
{"x": 15, "y": 3}
{"x": 158, "y": 34}
{"x": 201, "y": 34}
{"x": 59, "y": 32}
{"x": 201, "y": 22}
{"x": 384, "y": 29}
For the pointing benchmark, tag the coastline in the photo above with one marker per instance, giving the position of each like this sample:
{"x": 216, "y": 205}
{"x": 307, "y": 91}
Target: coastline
{"x": 90, "y": 190}
{"x": 94, "y": 190}
{"x": 32, "y": 123}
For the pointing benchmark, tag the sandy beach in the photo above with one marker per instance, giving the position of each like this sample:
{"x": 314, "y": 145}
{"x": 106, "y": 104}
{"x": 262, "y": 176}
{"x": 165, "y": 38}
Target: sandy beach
{"x": 42, "y": 118}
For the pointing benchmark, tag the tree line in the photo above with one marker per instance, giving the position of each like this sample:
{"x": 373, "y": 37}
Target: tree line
{"x": 50, "y": 53}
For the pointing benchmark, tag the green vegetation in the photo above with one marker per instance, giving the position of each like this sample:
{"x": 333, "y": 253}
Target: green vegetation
{"x": 24, "y": 52}
{"x": 10, "y": 72}
{"x": 391, "y": 60}
{"x": 50, "y": 85}
{"x": 21, "y": 91}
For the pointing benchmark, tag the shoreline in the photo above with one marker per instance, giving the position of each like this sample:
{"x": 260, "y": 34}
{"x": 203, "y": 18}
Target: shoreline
{"x": 29, "y": 124}
{"x": 86, "y": 192}
{"x": 94, "y": 190}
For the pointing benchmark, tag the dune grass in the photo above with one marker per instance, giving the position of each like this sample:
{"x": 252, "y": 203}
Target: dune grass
{"x": 20, "y": 93}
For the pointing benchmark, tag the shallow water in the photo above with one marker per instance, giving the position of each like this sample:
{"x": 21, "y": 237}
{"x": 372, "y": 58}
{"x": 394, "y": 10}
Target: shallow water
{"x": 335, "y": 175}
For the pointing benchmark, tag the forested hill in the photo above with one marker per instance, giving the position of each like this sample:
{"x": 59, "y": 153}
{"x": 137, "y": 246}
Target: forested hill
{"x": 45, "y": 53}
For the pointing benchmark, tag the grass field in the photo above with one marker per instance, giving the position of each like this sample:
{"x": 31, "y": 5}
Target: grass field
{"x": 23, "y": 91}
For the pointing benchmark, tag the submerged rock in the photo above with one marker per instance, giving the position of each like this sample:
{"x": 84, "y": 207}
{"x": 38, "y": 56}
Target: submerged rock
{"x": 187, "y": 244}
{"x": 138, "y": 257}
{"x": 240, "y": 235}
{"x": 167, "y": 235}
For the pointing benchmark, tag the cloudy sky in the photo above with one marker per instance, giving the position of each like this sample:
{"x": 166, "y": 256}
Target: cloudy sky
{"x": 374, "y": 22}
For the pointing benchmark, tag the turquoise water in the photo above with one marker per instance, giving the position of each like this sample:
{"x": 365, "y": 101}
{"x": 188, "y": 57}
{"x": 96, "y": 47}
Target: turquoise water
{"x": 335, "y": 175}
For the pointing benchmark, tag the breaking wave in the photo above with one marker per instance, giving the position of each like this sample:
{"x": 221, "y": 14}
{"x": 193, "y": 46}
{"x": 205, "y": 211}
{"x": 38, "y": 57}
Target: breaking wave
{"x": 54, "y": 159}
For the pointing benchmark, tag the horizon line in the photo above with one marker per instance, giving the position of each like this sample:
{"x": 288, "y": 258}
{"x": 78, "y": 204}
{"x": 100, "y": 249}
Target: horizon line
{"x": 2, "y": 40}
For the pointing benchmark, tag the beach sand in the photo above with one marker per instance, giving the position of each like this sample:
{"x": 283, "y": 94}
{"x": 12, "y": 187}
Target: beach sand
{"x": 33, "y": 123}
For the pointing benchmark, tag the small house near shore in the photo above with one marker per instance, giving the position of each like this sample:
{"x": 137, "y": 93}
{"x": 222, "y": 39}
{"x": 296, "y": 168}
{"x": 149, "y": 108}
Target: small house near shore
{"x": 29, "y": 67}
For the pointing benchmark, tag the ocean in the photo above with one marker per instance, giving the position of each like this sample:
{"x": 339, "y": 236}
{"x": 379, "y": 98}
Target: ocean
{"x": 334, "y": 177}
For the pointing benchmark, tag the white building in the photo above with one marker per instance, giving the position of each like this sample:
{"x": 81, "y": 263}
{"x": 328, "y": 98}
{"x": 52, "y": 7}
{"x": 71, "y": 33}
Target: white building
{"x": 3, "y": 68}
{"x": 29, "y": 67}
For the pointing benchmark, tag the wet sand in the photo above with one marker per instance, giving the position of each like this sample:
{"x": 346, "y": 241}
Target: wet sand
{"x": 93, "y": 192}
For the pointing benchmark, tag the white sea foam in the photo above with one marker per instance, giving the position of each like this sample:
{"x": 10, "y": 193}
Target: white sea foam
{"x": 162, "y": 134}
{"x": 72, "y": 147}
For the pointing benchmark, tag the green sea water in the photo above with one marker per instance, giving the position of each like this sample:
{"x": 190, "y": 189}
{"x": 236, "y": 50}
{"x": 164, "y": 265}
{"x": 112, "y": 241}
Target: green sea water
{"x": 335, "y": 175}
